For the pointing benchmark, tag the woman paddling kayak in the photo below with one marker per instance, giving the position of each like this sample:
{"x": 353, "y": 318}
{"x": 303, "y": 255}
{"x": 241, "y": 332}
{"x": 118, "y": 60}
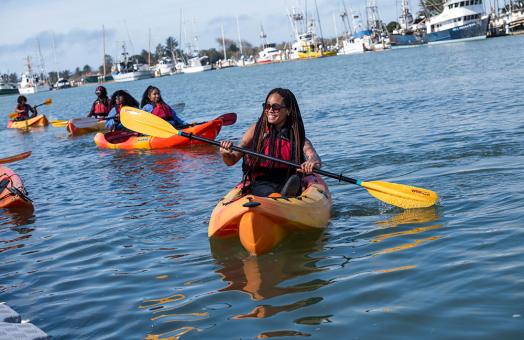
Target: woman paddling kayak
{"x": 279, "y": 132}
{"x": 23, "y": 109}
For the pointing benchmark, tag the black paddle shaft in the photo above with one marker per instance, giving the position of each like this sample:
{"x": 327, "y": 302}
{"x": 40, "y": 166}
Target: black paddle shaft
{"x": 340, "y": 177}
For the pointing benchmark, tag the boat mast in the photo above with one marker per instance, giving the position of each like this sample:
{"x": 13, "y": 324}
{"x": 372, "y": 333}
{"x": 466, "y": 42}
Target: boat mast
{"x": 104, "y": 53}
{"x": 149, "y": 49}
{"x": 239, "y": 39}
{"x": 54, "y": 57}
{"x": 223, "y": 42}
{"x": 319, "y": 26}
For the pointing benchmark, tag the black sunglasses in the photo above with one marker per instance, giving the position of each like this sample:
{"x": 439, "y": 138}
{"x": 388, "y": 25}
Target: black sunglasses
{"x": 274, "y": 107}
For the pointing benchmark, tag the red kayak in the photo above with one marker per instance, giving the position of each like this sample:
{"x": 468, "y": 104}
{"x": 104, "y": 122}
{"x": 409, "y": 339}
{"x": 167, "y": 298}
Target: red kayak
{"x": 12, "y": 191}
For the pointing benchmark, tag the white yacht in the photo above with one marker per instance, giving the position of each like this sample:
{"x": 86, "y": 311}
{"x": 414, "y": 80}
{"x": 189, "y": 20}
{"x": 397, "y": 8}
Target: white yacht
{"x": 126, "y": 70}
{"x": 351, "y": 43}
{"x": 197, "y": 64}
{"x": 459, "y": 21}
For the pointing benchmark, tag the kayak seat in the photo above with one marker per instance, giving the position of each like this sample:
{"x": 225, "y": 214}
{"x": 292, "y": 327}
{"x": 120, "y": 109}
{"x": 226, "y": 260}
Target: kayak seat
{"x": 292, "y": 187}
{"x": 117, "y": 137}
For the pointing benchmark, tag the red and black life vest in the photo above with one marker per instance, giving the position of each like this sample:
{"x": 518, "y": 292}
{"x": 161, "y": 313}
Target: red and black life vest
{"x": 101, "y": 107}
{"x": 25, "y": 114}
{"x": 163, "y": 111}
{"x": 277, "y": 144}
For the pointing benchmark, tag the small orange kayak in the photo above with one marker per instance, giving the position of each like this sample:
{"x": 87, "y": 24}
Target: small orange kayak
{"x": 262, "y": 222}
{"x": 12, "y": 191}
{"x": 130, "y": 140}
{"x": 82, "y": 126}
{"x": 40, "y": 120}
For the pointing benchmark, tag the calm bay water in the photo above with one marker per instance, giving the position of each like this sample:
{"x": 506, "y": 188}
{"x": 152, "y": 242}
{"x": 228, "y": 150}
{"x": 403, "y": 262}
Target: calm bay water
{"x": 117, "y": 246}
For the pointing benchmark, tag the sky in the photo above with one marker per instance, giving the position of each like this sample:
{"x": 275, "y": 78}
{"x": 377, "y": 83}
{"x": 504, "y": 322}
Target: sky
{"x": 75, "y": 27}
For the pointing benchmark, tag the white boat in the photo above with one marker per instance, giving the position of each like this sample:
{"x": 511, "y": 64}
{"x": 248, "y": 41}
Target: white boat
{"x": 269, "y": 55}
{"x": 164, "y": 67}
{"x": 459, "y": 21}
{"x": 61, "y": 84}
{"x": 29, "y": 82}
{"x": 126, "y": 70}
{"x": 249, "y": 61}
{"x": 351, "y": 44}
{"x": 197, "y": 64}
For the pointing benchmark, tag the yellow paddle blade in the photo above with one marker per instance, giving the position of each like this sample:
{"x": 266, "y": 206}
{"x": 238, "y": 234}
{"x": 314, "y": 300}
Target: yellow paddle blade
{"x": 59, "y": 123}
{"x": 146, "y": 123}
{"x": 400, "y": 195}
{"x": 48, "y": 101}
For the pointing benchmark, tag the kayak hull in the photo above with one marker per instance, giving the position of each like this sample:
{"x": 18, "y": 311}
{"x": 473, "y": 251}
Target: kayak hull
{"x": 14, "y": 195}
{"x": 207, "y": 130}
{"x": 75, "y": 130}
{"x": 38, "y": 121}
{"x": 261, "y": 223}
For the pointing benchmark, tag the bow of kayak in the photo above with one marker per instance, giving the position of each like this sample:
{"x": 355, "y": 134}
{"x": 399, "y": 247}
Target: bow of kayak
{"x": 129, "y": 141}
{"x": 82, "y": 126}
{"x": 40, "y": 120}
{"x": 262, "y": 222}
{"x": 12, "y": 191}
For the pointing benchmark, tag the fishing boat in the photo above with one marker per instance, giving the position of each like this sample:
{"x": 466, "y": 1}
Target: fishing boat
{"x": 409, "y": 34}
{"x": 127, "y": 70}
{"x": 269, "y": 52}
{"x": 29, "y": 82}
{"x": 351, "y": 43}
{"x": 378, "y": 40}
{"x": 307, "y": 44}
{"x": 7, "y": 88}
{"x": 459, "y": 21}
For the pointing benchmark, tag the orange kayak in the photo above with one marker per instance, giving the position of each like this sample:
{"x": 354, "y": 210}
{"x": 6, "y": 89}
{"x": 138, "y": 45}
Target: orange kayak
{"x": 40, "y": 120}
{"x": 262, "y": 222}
{"x": 130, "y": 140}
{"x": 82, "y": 126}
{"x": 12, "y": 191}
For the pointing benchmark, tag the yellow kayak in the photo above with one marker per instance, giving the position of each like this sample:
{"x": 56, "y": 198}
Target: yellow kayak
{"x": 262, "y": 222}
{"x": 40, "y": 120}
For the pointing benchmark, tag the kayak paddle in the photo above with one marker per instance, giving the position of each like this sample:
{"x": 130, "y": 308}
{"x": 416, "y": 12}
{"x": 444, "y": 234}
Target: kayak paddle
{"x": 48, "y": 101}
{"x": 59, "y": 123}
{"x": 15, "y": 158}
{"x": 400, "y": 195}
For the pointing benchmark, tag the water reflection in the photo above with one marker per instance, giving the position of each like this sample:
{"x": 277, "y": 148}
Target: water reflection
{"x": 265, "y": 277}
{"x": 15, "y": 220}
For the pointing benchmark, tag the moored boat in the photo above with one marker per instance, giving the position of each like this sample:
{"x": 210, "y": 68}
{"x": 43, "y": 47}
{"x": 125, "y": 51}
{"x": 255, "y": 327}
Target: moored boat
{"x": 12, "y": 191}
{"x": 38, "y": 121}
{"x": 130, "y": 140}
{"x": 459, "y": 21}
{"x": 262, "y": 222}
{"x": 126, "y": 70}
{"x": 7, "y": 89}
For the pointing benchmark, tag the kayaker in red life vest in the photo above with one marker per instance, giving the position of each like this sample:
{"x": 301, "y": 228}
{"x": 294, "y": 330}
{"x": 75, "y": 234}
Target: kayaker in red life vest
{"x": 152, "y": 102}
{"x": 118, "y": 99}
{"x": 279, "y": 132}
{"x": 23, "y": 109}
{"x": 101, "y": 106}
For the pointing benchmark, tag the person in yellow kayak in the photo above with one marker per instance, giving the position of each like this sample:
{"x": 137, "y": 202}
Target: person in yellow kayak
{"x": 118, "y": 99}
{"x": 152, "y": 102}
{"x": 102, "y": 105}
{"x": 280, "y": 133}
{"x": 22, "y": 109}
